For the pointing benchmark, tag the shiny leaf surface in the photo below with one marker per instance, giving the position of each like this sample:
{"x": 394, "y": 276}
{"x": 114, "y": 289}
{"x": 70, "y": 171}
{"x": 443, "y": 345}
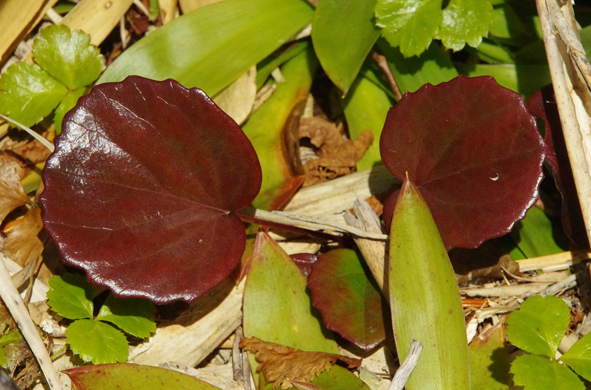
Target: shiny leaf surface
{"x": 213, "y": 46}
{"x": 476, "y": 164}
{"x": 535, "y": 372}
{"x": 132, "y": 377}
{"x": 350, "y": 302}
{"x": 329, "y": 32}
{"x": 578, "y": 357}
{"x": 539, "y": 325}
{"x": 425, "y": 300}
{"x": 142, "y": 189}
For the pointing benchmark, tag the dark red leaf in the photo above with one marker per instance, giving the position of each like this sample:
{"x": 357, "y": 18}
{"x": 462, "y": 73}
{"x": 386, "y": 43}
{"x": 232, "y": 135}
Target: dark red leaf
{"x": 304, "y": 261}
{"x": 348, "y": 298}
{"x": 543, "y": 105}
{"x": 143, "y": 186}
{"x": 473, "y": 151}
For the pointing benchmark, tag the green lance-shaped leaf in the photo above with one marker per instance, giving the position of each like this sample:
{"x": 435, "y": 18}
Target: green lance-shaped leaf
{"x": 365, "y": 107}
{"x": 343, "y": 32}
{"x": 66, "y": 105}
{"x": 28, "y": 94}
{"x": 70, "y": 296}
{"x": 536, "y": 235}
{"x": 539, "y": 325}
{"x": 68, "y": 56}
{"x": 97, "y": 342}
{"x": 132, "y": 377}
{"x": 424, "y": 297}
{"x": 213, "y": 46}
{"x": 274, "y": 133}
{"x": 578, "y": 357}
{"x": 278, "y": 309}
{"x": 535, "y": 372}
{"x": 134, "y": 316}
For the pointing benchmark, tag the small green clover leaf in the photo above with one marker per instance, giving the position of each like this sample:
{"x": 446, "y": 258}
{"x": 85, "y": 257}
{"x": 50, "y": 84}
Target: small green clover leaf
{"x": 66, "y": 62}
{"x": 578, "y": 357}
{"x": 68, "y": 56}
{"x": 536, "y": 372}
{"x": 28, "y": 94}
{"x": 70, "y": 296}
{"x": 134, "y": 316}
{"x": 97, "y": 342}
{"x": 539, "y": 325}
{"x": 412, "y": 24}
{"x": 94, "y": 340}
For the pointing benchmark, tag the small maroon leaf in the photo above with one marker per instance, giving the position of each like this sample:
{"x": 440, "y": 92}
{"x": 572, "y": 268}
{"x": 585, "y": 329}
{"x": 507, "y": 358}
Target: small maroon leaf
{"x": 473, "y": 151}
{"x": 142, "y": 189}
{"x": 348, "y": 298}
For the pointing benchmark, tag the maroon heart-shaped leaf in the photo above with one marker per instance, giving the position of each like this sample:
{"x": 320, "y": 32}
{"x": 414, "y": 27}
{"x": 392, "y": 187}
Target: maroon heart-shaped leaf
{"x": 474, "y": 152}
{"x": 348, "y": 298}
{"x": 142, "y": 189}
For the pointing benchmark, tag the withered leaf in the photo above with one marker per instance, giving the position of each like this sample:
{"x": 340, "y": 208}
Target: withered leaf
{"x": 12, "y": 194}
{"x": 282, "y": 364}
{"x": 337, "y": 155}
{"x": 22, "y": 244}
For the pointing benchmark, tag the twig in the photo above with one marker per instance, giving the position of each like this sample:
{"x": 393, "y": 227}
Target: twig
{"x": 38, "y": 137}
{"x": 407, "y": 367}
{"x": 565, "y": 284}
{"x": 237, "y": 358}
{"x": 282, "y": 218}
{"x": 383, "y": 64}
{"x": 17, "y": 309}
{"x": 557, "y": 262}
{"x": 568, "y": 115}
{"x": 374, "y": 252}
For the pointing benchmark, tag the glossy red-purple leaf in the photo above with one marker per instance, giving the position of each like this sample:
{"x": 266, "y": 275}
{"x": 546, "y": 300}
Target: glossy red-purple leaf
{"x": 543, "y": 105}
{"x": 348, "y": 298}
{"x": 142, "y": 189}
{"x": 473, "y": 151}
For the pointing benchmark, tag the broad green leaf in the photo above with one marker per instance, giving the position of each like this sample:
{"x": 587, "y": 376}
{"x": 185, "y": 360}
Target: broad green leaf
{"x": 28, "y": 94}
{"x": 365, "y": 107}
{"x": 409, "y": 24}
{"x": 97, "y": 342}
{"x": 538, "y": 373}
{"x": 505, "y": 22}
{"x": 214, "y": 45}
{"x": 465, "y": 22}
{"x": 273, "y": 131}
{"x": 336, "y": 22}
{"x": 276, "y": 306}
{"x": 7, "y": 340}
{"x": 424, "y": 298}
{"x": 433, "y": 67}
{"x": 132, "y": 377}
{"x": 338, "y": 378}
{"x": 272, "y": 62}
{"x": 521, "y": 78}
{"x": 539, "y": 325}
{"x": 68, "y": 56}
{"x": 578, "y": 357}
{"x": 66, "y": 105}
{"x": 536, "y": 236}
{"x": 489, "y": 360}
{"x": 348, "y": 297}
{"x": 134, "y": 316}
{"x": 70, "y": 296}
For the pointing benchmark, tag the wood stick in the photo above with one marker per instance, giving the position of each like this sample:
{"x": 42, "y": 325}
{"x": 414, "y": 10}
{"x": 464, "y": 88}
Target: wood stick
{"x": 569, "y": 116}
{"x": 23, "y": 320}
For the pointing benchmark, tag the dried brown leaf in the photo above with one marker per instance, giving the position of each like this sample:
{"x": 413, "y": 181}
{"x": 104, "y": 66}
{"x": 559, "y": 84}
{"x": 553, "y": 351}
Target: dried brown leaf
{"x": 33, "y": 151}
{"x": 22, "y": 244}
{"x": 12, "y": 194}
{"x": 282, "y": 364}
{"x": 337, "y": 155}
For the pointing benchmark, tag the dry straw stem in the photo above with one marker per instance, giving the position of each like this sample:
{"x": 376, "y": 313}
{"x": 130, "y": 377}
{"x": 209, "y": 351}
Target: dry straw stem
{"x": 569, "y": 68}
{"x": 16, "y": 18}
{"x": 557, "y": 262}
{"x": 21, "y": 316}
{"x": 406, "y": 368}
